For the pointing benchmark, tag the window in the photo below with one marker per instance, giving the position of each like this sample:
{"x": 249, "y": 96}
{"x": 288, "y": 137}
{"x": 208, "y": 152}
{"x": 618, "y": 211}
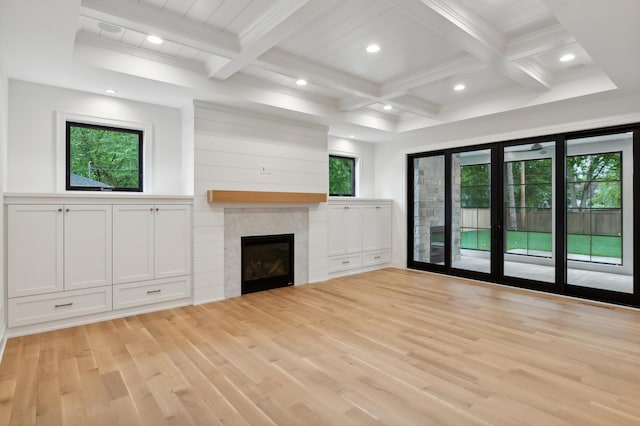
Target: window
{"x": 528, "y": 202}
{"x": 594, "y": 207}
{"x": 475, "y": 207}
{"x": 103, "y": 158}
{"x": 342, "y": 176}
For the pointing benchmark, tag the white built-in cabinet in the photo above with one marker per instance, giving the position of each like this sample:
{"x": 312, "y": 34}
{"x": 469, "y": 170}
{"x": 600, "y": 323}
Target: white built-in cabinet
{"x": 151, "y": 242}
{"x": 69, "y": 260}
{"x": 359, "y": 234}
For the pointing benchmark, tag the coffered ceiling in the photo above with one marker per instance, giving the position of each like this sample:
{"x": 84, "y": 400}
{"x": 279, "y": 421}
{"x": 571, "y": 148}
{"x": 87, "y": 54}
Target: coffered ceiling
{"x": 506, "y": 53}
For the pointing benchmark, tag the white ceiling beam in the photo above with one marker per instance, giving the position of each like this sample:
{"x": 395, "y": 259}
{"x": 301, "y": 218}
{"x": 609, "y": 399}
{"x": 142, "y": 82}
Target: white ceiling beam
{"x": 461, "y": 25}
{"x": 144, "y": 18}
{"x": 401, "y": 86}
{"x": 538, "y": 42}
{"x": 529, "y": 73}
{"x": 90, "y": 40}
{"x": 416, "y": 106}
{"x": 278, "y": 23}
{"x": 457, "y": 23}
{"x": 353, "y": 103}
{"x": 295, "y": 67}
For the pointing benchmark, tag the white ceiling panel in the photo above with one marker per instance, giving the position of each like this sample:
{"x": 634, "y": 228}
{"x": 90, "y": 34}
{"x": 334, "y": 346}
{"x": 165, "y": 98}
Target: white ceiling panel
{"x": 179, "y": 7}
{"x": 289, "y": 82}
{"x": 338, "y": 39}
{"x": 551, "y": 60}
{"x": 227, "y": 12}
{"x": 202, "y": 10}
{"x": 511, "y": 17}
{"x": 253, "y": 10}
{"x": 155, "y": 3}
{"x": 476, "y": 85}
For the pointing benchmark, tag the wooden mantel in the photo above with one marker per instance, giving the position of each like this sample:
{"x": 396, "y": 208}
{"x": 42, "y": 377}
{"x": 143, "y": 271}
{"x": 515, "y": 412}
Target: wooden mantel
{"x": 220, "y": 196}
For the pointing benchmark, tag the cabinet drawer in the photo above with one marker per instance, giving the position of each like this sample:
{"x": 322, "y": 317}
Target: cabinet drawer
{"x": 344, "y": 263}
{"x": 376, "y": 257}
{"x": 137, "y": 294}
{"x": 50, "y": 307}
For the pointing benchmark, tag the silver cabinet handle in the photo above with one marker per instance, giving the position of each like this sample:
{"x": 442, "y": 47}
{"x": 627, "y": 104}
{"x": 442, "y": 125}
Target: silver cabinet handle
{"x": 344, "y": 262}
{"x": 376, "y": 257}
{"x": 153, "y": 291}
{"x": 64, "y": 304}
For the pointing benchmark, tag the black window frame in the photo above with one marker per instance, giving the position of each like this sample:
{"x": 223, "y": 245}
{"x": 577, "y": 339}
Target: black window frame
{"x": 140, "y": 133}
{"x": 352, "y": 160}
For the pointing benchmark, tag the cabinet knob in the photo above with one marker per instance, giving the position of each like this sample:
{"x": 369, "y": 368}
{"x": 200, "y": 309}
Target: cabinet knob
{"x": 67, "y": 210}
{"x": 59, "y": 210}
{"x": 151, "y": 209}
{"x": 346, "y": 207}
{"x": 157, "y": 209}
{"x": 377, "y": 207}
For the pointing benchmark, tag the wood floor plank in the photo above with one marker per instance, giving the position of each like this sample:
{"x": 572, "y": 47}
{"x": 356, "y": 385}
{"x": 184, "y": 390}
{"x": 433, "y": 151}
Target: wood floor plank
{"x": 386, "y": 347}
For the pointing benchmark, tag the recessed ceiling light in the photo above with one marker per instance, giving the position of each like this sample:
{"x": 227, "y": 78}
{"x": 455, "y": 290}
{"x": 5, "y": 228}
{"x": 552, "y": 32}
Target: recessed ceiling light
{"x": 110, "y": 28}
{"x": 154, "y": 39}
{"x": 387, "y": 107}
{"x": 567, "y": 57}
{"x": 301, "y": 82}
{"x": 458, "y": 87}
{"x": 110, "y": 91}
{"x": 373, "y": 48}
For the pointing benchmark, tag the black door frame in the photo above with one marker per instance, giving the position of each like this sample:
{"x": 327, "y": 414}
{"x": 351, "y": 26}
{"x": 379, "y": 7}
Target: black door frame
{"x": 496, "y": 274}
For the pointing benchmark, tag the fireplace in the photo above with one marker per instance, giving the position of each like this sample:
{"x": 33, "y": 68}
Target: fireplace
{"x": 267, "y": 262}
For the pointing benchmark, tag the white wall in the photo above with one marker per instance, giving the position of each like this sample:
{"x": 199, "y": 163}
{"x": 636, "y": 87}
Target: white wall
{"x": 231, "y": 147}
{"x": 577, "y": 114}
{"x": 32, "y": 135}
{"x": 4, "y": 100}
{"x": 365, "y": 154}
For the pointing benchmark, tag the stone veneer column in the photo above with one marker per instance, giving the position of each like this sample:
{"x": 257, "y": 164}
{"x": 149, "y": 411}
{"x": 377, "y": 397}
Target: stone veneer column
{"x": 428, "y": 203}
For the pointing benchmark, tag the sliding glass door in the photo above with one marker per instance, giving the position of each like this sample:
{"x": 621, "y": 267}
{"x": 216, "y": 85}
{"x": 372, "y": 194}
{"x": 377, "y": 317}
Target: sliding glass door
{"x": 529, "y": 199}
{"x": 550, "y": 213}
{"x": 471, "y": 211}
{"x": 599, "y": 213}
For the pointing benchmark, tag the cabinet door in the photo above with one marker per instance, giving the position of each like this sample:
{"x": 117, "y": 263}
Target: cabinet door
{"x": 353, "y": 231}
{"x": 87, "y": 246}
{"x": 133, "y": 243}
{"x": 337, "y": 230}
{"x": 376, "y": 225}
{"x": 172, "y": 240}
{"x": 345, "y": 229}
{"x": 384, "y": 226}
{"x": 34, "y": 249}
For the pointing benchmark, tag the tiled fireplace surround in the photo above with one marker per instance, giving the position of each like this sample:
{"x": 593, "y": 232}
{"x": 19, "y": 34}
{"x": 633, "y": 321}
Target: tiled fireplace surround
{"x": 217, "y": 249}
{"x": 249, "y": 222}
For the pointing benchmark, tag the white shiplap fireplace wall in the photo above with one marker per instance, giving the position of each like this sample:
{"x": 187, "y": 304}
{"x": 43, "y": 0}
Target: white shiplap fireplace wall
{"x": 231, "y": 147}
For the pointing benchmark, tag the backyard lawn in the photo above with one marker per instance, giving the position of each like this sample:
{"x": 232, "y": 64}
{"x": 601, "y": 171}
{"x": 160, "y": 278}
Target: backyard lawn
{"x": 595, "y": 245}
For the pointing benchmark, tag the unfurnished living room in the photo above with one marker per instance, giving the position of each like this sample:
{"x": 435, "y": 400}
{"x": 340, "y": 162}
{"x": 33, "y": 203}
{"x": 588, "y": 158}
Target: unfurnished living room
{"x": 306, "y": 212}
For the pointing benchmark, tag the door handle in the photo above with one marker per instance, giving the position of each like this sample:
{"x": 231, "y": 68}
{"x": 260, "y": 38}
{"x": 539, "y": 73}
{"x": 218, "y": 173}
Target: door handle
{"x": 497, "y": 231}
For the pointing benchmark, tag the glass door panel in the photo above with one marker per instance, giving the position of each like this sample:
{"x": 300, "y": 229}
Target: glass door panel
{"x": 471, "y": 211}
{"x": 528, "y": 216}
{"x": 600, "y": 212}
{"x": 429, "y": 210}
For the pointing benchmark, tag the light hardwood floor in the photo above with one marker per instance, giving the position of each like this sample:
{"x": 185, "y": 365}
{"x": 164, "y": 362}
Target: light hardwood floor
{"x": 387, "y": 347}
